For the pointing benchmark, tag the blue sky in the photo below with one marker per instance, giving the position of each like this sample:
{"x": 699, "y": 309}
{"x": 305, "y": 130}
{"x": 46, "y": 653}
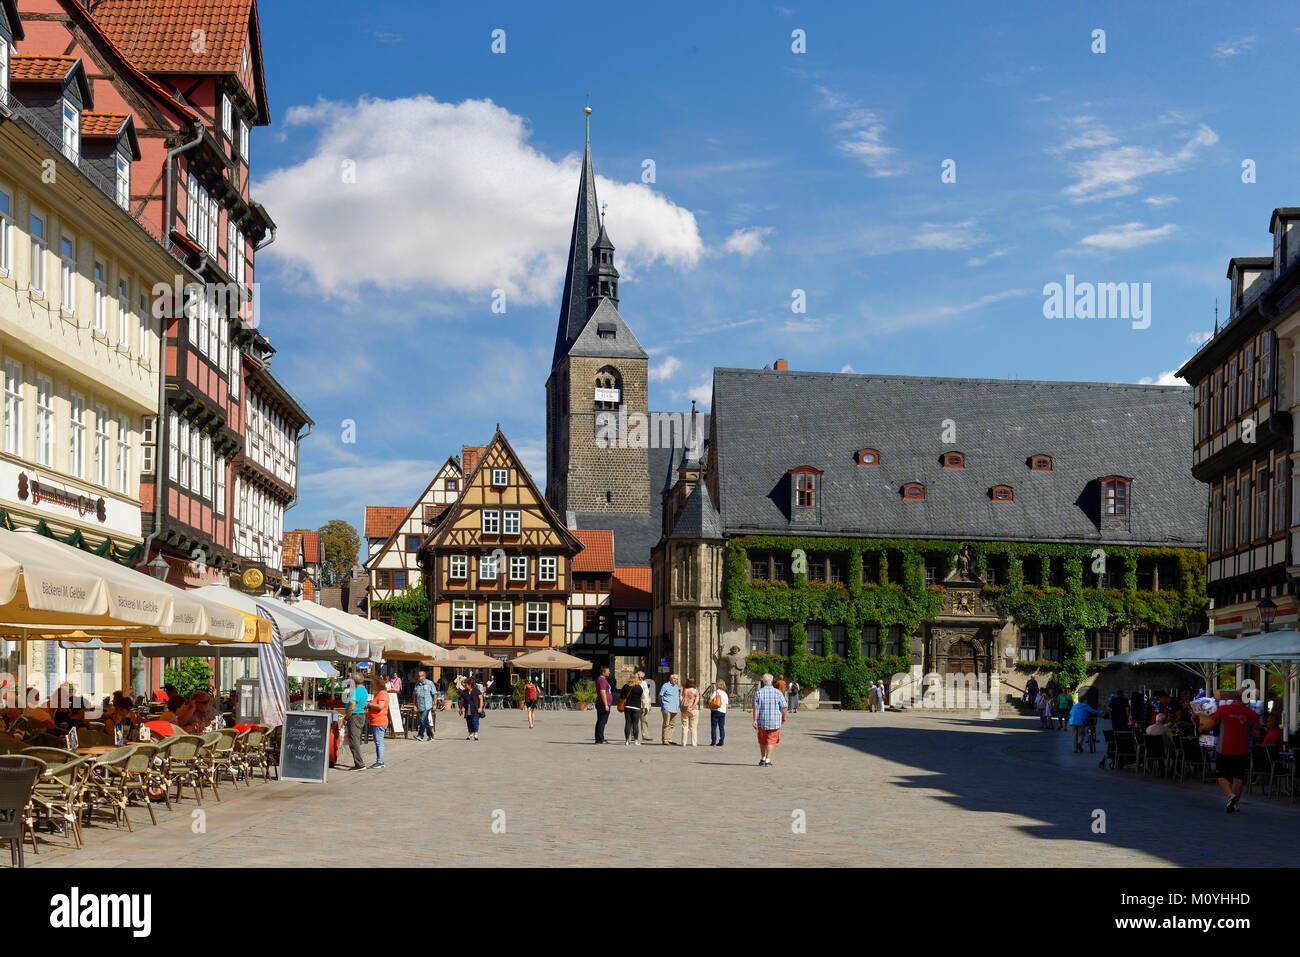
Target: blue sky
{"x": 413, "y": 172}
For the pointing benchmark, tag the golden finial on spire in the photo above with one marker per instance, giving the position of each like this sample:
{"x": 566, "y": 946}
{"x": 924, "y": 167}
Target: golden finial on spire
{"x": 587, "y": 110}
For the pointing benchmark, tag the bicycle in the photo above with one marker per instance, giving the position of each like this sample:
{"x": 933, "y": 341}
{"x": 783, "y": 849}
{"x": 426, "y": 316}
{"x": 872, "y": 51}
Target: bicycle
{"x": 1090, "y": 737}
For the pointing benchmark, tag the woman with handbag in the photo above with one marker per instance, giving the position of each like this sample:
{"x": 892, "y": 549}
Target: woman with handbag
{"x": 629, "y": 703}
{"x": 471, "y": 706}
{"x": 718, "y": 715}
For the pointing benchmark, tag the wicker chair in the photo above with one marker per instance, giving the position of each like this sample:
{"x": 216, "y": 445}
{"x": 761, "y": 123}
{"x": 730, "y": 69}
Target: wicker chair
{"x": 273, "y": 749}
{"x": 58, "y": 798}
{"x": 140, "y": 773}
{"x": 223, "y": 755}
{"x": 52, "y": 756}
{"x": 95, "y": 738}
{"x": 17, "y": 779}
{"x": 108, "y": 784}
{"x": 183, "y": 763}
{"x": 253, "y": 753}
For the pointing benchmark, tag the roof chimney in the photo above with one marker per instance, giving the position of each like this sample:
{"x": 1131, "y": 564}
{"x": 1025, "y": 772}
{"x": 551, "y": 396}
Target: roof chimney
{"x": 781, "y": 365}
{"x": 469, "y": 455}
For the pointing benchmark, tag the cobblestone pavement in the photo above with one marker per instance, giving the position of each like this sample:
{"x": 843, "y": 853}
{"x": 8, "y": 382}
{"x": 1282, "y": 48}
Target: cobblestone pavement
{"x": 894, "y": 789}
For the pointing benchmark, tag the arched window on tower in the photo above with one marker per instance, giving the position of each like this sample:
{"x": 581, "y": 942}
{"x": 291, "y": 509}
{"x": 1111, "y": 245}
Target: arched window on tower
{"x": 608, "y": 394}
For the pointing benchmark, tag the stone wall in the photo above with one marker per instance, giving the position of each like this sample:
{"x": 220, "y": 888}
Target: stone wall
{"x": 592, "y": 472}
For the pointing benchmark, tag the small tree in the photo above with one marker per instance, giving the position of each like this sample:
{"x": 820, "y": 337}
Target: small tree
{"x": 339, "y": 545}
{"x": 189, "y": 676}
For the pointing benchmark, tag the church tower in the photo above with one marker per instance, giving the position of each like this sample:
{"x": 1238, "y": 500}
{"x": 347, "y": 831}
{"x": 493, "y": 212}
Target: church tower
{"x": 599, "y": 370}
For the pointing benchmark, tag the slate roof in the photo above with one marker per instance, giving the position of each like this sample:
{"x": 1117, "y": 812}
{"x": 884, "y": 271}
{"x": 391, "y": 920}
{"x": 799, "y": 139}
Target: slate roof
{"x": 769, "y": 422}
{"x": 700, "y": 517}
{"x": 382, "y": 520}
{"x": 623, "y": 345}
{"x": 586, "y": 227}
{"x": 597, "y": 554}
{"x": 635, "y": 536}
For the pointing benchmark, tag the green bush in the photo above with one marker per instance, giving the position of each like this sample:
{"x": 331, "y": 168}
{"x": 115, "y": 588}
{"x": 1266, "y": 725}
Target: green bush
{"x": 189, "y": 675}
{"x": 584, "y": 689}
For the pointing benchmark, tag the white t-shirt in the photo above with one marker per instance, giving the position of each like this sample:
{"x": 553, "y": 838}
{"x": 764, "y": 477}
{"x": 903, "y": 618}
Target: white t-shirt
{"x": 722, "y": 708}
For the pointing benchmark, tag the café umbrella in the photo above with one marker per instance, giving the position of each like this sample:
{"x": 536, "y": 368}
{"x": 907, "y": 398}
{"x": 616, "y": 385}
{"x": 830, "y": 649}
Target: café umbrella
{"x": 396, "y": 644}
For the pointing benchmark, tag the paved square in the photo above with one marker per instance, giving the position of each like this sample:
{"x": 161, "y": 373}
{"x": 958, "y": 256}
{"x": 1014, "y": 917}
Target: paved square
{"x": 894, "y": 789}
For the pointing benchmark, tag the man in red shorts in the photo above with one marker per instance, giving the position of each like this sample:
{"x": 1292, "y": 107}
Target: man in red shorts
{"x": 1235, "y": 722}
{"x": 769, "y": 715}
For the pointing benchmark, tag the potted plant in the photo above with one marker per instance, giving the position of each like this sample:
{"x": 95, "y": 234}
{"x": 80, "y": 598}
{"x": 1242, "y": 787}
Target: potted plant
{"x": 584, "y": 692}
{"x": 517, "y": 690}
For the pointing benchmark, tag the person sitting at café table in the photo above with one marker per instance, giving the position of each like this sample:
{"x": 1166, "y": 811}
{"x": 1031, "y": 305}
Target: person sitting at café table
{"x": 198, "y": 714}
{"x": 121, "y": 717}
{"x": 1160, "y": 727}
{"x": 174, "y": 707}
{"x": 1273, "y": 737}
{"x": 13, "y": 722}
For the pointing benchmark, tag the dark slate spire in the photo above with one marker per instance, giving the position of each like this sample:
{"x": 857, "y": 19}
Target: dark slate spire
{"x": 586, "y": 227}
{"x": 602, "y": 277}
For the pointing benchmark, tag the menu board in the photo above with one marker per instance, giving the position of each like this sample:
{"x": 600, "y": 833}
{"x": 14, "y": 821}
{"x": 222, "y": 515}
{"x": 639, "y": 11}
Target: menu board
{"x": 305, "y": 746}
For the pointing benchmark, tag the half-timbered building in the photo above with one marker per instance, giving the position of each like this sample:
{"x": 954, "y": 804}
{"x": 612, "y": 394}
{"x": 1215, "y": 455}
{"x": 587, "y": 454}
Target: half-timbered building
{"x": 498, "y": 561}
{"x": 394, "y": 565}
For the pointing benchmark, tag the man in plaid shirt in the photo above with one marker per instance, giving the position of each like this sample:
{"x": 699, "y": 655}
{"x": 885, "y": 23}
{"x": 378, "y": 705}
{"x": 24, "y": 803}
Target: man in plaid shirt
{"x": 769, "y": 715}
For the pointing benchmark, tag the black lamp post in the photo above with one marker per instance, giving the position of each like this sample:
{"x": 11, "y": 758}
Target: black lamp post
{"x": 1267, "y": 612}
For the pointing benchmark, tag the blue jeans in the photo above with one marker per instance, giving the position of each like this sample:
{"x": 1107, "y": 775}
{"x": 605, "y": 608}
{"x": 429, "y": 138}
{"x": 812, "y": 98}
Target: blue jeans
{"x": 425, "y": 725}
{"x": 379, "y": 743}
{"x": 717, "y": 727}
{"x": 471, "y": 722}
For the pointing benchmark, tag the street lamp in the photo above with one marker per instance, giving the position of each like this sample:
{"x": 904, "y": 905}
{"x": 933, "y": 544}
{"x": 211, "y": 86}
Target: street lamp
{"x": 159, "y": 568}
{"x": 295, "y": 586}
{"x": 1267, "y": 612}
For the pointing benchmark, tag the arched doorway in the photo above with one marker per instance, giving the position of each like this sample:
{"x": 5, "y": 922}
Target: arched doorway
{"x": 962, "y": 659}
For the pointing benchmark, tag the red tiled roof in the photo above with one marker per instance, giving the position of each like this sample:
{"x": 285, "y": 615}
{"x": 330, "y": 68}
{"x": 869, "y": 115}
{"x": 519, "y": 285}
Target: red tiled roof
{"x": 289, "y": 549}
{"x": 598, "y": 555}
{"x": 311, "y": 547}
{"x": 631, "y": 587}
{"x": 159, "y": 35}
{"x": 382, "y": 520}
{"x": 41, "y": 67}
{"x": 102, "y": 124}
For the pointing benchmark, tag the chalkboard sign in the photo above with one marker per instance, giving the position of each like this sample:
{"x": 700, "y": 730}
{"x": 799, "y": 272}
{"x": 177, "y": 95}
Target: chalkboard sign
{"x": 305, "y": 746}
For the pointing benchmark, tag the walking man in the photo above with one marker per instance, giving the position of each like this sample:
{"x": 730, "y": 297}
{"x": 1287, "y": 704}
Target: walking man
{"x": 769, "y": 715}
{"x": 1236, "y": 721}
{"x": 670, "y": 697}
{"x": 647, "y": 699}
{"x": 1080, "y": 713}
{"x": 426, "y": 700}
{"x": 357, "y": 723}
{"x": 794, "y": 696}
{"x": 603, "y": 702}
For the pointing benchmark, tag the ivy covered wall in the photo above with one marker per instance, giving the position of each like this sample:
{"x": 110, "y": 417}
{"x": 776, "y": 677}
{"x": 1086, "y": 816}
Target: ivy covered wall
{"x": 907, "y": 601}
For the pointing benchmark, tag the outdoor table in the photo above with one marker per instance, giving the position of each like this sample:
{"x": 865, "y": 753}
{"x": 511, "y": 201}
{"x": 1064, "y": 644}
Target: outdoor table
{"x": 97, "y": 749}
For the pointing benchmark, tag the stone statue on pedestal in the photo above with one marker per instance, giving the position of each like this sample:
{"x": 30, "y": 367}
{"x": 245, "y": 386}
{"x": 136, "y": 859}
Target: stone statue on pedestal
{"x": 731, "y": 670}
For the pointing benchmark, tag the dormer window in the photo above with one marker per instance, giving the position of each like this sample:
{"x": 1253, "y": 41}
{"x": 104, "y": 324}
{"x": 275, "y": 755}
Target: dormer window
{"x": 954, "y": 460}
{"x": 605, "y": 330}
{"x": 868, "y": 457}
{"x": 123, "y": 181}
{"x": 1040, "y": 463}
{"x": 914, "y": 491}
{"x": 1002, "y": 493}
{"x": 71, "y": 131}
{"x": 804, "y": 482}
{"x": 1114, "y": 495}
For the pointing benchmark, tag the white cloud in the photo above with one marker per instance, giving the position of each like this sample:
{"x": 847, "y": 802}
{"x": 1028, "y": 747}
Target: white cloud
{"x": 701, "y": 394}
{"x": 1128, "y": 236}
{"x": 1233, "y": 47}
{"x": 1160, "y": 200}
{"x": 1109, "y": 173}
{"x": 448, "y": 197}
{"x": 893, "y": 321}
{"x": 747, "y": 241}
{"x": 666, "y": 369}
{"x": 861, "y": 134}
{"x": 883, "y": 239}
{"x": 1165, "y": 378}
{"x": 1200, "y": 338}
{"x": 848, "y": 368}
{"x": 983, "y": 260}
